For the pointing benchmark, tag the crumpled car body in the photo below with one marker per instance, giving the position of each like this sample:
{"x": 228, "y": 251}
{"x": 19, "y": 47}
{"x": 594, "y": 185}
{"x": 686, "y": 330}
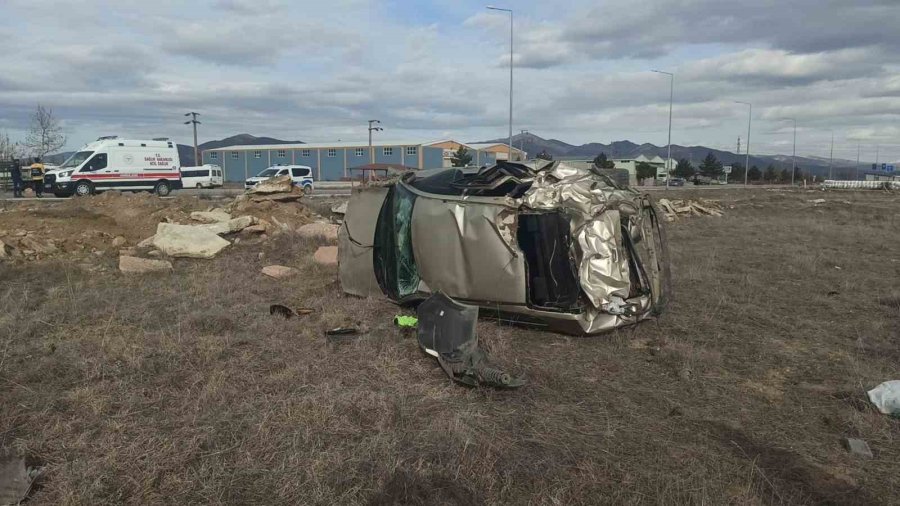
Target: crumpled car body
{"x": 551, "y": 246}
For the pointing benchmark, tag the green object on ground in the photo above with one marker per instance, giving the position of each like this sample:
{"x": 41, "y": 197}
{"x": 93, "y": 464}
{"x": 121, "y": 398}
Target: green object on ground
{"x": 406, "y": 321}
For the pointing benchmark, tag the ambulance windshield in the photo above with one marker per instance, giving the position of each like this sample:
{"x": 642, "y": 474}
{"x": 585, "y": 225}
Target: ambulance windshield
{"x": 76, "y": 159}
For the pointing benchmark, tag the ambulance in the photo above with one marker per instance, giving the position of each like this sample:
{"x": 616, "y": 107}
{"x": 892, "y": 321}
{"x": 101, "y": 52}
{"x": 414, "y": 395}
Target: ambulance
{"x": 111, "y": 163}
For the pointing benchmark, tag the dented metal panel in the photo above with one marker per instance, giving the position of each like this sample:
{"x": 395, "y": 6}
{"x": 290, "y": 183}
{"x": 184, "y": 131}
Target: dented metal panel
{"x": 468, "y": 250}
{"x": 356, "y": 238}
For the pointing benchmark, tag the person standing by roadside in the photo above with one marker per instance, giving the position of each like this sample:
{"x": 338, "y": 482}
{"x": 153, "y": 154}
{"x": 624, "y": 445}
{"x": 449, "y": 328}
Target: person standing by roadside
{"x": 16, "y": 175}
{"x": 37, "y": 177}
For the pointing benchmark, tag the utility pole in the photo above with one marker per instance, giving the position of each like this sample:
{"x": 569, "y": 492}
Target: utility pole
{"x": 671, "y": 98}
{"x": 831, "y": 160}
{"x": 509, "y": 153}
{"x": 794, "y": 151}
{"x": 857, "y": 161}
{"x": 749, "y": 119}
{"x": 739, "y": 145}
{"x": 194, "y": 121}
{"x": 373, "y": 128}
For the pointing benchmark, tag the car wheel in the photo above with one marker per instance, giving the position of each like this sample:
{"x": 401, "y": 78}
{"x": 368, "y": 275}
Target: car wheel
{"x": 307, "y": 189}
{"x": 84, "y": 188}
{"x": 199, "y": 186}
{"x": 162, "y": 188}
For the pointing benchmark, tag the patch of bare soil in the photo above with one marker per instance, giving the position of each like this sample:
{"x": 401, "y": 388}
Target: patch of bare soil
{"x": 180, "y": 387}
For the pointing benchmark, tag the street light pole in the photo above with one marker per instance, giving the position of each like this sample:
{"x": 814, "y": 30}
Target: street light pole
{"x": 373, "y": 128}
{"x": 794, "y": 152}
{"x": 749, "y": 119}
{"x": 671, "y": 98}
{"x": 831, "y": 160}
{"x": 509, "y": 153}
{"x": 193, "y": 120}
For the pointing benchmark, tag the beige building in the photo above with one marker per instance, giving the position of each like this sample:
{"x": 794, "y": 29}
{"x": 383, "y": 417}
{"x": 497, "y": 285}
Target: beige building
{"x": 478, "y": 152}
{"x": 501, "y": 151}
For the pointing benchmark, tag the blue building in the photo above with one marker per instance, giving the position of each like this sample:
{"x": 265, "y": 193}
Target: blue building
{"x": 333, "y": 161}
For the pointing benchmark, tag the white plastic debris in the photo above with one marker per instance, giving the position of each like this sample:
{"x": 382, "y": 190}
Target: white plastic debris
{"x": 886, "y": 397}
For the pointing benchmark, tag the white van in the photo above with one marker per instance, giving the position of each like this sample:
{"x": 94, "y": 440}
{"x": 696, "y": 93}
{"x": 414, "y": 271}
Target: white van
{"x": 111, "y": 163}
{"x": 301, "y": 175}
{"x": 205, "y": 176}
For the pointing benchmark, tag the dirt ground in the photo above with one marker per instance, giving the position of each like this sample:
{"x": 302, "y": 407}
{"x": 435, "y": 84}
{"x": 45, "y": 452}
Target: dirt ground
{"x": 181, "y": 388}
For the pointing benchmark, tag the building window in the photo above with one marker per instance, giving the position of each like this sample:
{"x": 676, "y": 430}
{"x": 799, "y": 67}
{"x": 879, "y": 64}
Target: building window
{"x": 304, "y": 152}
{"x": 257, "y": 154}
{"x": 332, "y": 152}
{"x": 360, "y": 152}
{"x": 387, "y": 151}
{"x": 214, "y": 155}
{"x": 412, "y": 150}
{"x": 280, "y": 153}
{"x": 234, "y": 155}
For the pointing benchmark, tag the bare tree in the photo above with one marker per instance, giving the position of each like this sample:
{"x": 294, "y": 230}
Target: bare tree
{"x": 46, "y": 134}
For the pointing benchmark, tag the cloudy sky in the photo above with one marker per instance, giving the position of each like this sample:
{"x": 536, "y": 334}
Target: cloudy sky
{"x": 316, "y": 71}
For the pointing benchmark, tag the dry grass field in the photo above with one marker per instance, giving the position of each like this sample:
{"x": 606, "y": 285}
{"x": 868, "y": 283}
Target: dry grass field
{"x": 180, "y": 388}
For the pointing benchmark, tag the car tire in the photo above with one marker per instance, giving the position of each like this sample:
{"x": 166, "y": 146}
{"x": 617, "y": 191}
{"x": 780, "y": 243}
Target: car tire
{"x": 84, "y": 188}
{"x": 308, "y": 189}
{"x": 199, "y": 186}
{"x": 162, "y": 188}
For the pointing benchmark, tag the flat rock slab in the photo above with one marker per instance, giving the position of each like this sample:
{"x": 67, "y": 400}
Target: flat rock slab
{"x": 138, "y": 265}
{"x": 280, "y": 184}
{"x": 326, "y": 255}
{"x": 228, "y": 227}
{"x": 327, "y": 230}
{"x": 14, "y": 480}
{"x": 279, "y": 271}
{"x": 214, "y": 216}
{"x": 188, "y": 241}
{"x": 858, "y": 447}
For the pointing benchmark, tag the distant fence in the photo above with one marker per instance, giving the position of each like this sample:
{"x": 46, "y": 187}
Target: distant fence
{"x": 832, "y": 184}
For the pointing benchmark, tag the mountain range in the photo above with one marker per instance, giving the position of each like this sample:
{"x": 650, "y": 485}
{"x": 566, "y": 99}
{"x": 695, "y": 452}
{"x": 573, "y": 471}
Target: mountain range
{"x": 533, "y": 144}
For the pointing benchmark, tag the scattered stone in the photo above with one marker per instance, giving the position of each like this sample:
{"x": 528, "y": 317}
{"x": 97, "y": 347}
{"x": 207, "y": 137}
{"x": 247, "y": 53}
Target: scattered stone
{"x": 319, "y": 229}
{"x": 5, "y": 250}
{"x": 118, "y": 242}
{"x": 21, "y": 233}
{"x": 28, "y": 193}
{"x": 279, "y": 271}
{"x": 15, "y": 479}
{"x": 128, "y": 252}
{"x": 212, "y": 216}
{"x": 227, "y": 227}
{"x": 154, "y": 253}
{"x": 339, "y": 208}
{"x": 672, "y": 209}
{"x": 326, "y": 255}
{"x": 137, "y": 265}
{"x": 255, "y": 229}
{"x": 261, "y": 255}
{"x": 280, "y": 184}
{"x": 858, "y": 447}
{"x": 816, "y": 201}
{"x": 188, "y": 241}
{"x": 146, "y": 243}
{"x": 279, "y": 197}
{"x": 31, "y": 244}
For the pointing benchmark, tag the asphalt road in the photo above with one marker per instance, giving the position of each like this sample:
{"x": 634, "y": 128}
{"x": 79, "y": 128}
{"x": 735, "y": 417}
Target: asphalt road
{"x": 342, "y": 189}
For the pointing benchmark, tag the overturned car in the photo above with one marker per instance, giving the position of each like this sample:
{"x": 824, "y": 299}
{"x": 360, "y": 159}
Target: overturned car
{"x": 549, "y": 245}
